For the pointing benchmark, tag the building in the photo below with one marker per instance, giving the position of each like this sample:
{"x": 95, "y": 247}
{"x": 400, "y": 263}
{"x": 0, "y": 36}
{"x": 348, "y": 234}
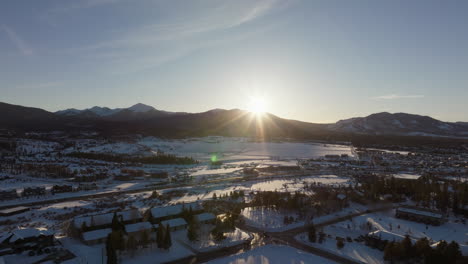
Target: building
{"x": 96, "y": 236}
{"x": 174, "y": 224}
{"x": 13, "y": 211}
{"x": 105, "y": 220}
{"x": 206, "y": 218}
{"x": 20, "y": 240}
{"x": 379, "y": 239}
{"x": 138, "y": 230}
{"x": 172, "y": 211}
{"x": 421, "y": 215}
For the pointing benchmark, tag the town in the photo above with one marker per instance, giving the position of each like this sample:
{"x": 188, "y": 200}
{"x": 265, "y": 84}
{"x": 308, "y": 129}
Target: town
{"x": 134, "y": 199}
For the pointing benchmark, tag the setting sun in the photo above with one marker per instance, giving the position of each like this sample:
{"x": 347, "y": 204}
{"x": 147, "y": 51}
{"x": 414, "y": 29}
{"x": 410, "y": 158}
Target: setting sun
{"x": 257, "y": 105}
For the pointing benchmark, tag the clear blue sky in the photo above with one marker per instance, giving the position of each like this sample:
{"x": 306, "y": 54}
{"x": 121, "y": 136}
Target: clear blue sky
{"x": 317, "y": 61}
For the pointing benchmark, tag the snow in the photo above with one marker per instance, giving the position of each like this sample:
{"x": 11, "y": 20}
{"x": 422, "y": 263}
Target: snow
{"x": 12, "y": 210}
{"x": 241, "y": 148}
{"x": 104, "y": 219}
{"x": 352, "y": 250}
{"x": 273, "y": 220}
{"x": 272, "y": 254}
{"x": 177, "y": 222}
{"x": 96, "y": 234}
{"x": 406, "y": 176}
{"x": 388, "y": 226}
{"x": 164, "y": 211}
{"x": 205, "y": 217}
{"x": 138, "y": 227}
{"x": 27, "y": 233}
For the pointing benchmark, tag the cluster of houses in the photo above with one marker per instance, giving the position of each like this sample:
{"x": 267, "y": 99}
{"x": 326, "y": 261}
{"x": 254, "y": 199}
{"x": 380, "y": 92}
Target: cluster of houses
{"x": 28, "y": 239}
{"x": 41, "y": 190}
{"x": 94, "y": 229}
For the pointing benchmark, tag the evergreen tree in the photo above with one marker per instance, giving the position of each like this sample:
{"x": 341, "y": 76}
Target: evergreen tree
{"x": 407, "y": 247}
{"x": 110, "y": 251}
{"x": 312, "y": 234}
{"x": 192, "y": 231}
{"x": 339, "y": 243}
{"x": 452, "y": 252}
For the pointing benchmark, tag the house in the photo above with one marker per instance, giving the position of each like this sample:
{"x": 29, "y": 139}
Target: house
{"x": 105, "y": 220}
{"x": 172, "y": 211}
{"x": 205, "y": 218}
{"x": 13, "y": 211}
{"x": 174, "y": 224}
{"x": 379, "y": 239}
{"x": 138, "y": 230}
{"x": 421, "y": 215}
{"x": 20, "y": 240}
{"x": 96, "y": 236}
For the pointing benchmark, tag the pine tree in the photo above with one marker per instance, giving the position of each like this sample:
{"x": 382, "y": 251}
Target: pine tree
{"x": 312, "y": 234}
{"x": 110, "y": 251}
{"x": 192, "y": 231}
{"x": 407, "y": 247}
{"x": 339, "y": 243}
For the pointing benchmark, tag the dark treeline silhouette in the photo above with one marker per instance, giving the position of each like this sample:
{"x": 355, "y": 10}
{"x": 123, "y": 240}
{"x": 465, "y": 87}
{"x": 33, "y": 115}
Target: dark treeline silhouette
{"x": 427, "y": 191}
{"x": 157, "y": 159}
{"x": 422, "y": 252}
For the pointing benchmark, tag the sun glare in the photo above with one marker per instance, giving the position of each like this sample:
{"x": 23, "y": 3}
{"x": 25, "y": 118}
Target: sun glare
{"x": 257, "y": 105}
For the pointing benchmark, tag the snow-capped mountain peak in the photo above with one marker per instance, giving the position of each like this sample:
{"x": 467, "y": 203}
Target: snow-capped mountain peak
{"x": 106, "y": 111}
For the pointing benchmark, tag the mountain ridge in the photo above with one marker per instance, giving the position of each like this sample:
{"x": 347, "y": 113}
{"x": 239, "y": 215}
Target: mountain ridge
{"x": 141, "y": 118}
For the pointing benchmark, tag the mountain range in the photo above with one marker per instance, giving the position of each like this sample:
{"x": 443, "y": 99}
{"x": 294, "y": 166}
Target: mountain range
{"x": 144, "y": 119}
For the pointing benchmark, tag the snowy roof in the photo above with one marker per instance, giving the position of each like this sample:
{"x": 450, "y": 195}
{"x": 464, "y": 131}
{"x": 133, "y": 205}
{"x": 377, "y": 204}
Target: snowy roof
{"x": 205, "y": 217}
{"x": 14, "y": 209}
{"x": 96, "y": 234}
{"x": 138, "y": 227}
{"x": 384, "y": 235}
{"x": 4, "y": 237}
{"x": 419, "y": 212}
{"x": 158, "y": 212}
{"x": 27, "y": 233}
{"x": 407, "y": 176}
{"x": 105, "y": 219}
{"x": 174, "y": 222}
{"x": 341, "y": 196}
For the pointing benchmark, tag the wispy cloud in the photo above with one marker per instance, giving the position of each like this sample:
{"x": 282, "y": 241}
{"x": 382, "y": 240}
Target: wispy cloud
{"x": 162, "y": 41}
{"x": 397, "y": 96}
{"x": 20, "y": 44}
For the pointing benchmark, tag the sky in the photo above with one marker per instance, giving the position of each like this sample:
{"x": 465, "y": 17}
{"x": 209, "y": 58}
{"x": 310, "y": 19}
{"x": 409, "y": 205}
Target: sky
{"x": 316, "y": 61}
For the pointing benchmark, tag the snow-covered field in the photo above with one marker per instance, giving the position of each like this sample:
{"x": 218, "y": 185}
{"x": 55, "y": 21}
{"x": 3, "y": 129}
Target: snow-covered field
{"x": 272, "y": 220}
{"x": 271, "y": 254}
{"x": 225, "y": 148}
